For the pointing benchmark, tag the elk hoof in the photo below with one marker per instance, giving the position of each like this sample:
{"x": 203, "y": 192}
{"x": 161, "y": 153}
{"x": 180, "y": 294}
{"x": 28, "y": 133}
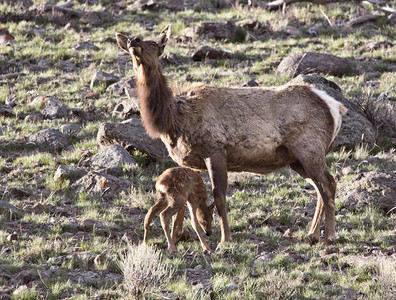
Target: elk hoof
{"x": 312, "y": 239}
{"x": 208, "y": 252}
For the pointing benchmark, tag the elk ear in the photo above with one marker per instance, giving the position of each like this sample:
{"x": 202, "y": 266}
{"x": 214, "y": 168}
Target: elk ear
{"x": 122, "y": 41}
{"x": 164, "y": 37}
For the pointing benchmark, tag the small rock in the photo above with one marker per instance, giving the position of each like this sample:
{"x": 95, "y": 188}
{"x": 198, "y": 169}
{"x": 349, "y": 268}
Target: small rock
{"x": 293, "y": 31}
{"x": 251, "y": 83}
{"x": 367, "y": 221}
{"x": 33, "y": 118}
{"x": 66, "y": 65}
{"x": 20, "y": 290}
{"x": 18, "y": 193}
{"x": 209, "y": 52}
{"x": 103, "y": 77}
{"x": 92, "y": 18}
{"x": 314, "y": 30}
{"x": 54, "y": 111}
{"x": 70, "y": 129}
{"x": 86, "y": 46}
{"x": 38, "y": 207}
{"x": 5, "y": 296}
{"x": 198, "y": 268}
{"x": 12, "y": 237}
{"x": 40, "y": 101}
{"x": 230, "y": 286}
{"x": 92, "y": 95}
{"x": 288, "y": 233}
{"x": 329, "y": 251}
{"x": 264, "y": 258}
{"x": 6, "y": 111}
{"x": 91, "y": 223}
{"x": 69, "y": 172}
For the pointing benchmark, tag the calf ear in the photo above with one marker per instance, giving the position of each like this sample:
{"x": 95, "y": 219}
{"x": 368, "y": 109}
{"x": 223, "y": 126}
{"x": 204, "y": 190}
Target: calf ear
{"x": 122, "y": 41}
{"x": 164, "y": 37}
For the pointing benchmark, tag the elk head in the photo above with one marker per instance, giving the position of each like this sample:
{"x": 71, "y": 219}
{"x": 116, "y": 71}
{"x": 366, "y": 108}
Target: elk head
{"x": 144, "y": 53}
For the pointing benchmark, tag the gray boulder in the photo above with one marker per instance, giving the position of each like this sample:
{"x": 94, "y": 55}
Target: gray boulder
{"x": 377, "y": 188}
{"x": 131, "y": 135}
{"x": 69, "y": 172}
{"x": 120, "y": 86}
{"x": 101, "y": 77}
{"x": 48, "y": 139}
{"x": 127, "y": 108}
{"x": 310, "y": 62}
{"x": 112, "y": 158}
{"x": 355, "y": 129}
{"x": 100, "y": 185}
{"x": 53, "y": 111}
{"x": 220, "y": 30}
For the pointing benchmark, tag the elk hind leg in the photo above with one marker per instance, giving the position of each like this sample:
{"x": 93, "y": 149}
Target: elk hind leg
{"x": 325, "y": 187}
{"x": 217, "y": 168}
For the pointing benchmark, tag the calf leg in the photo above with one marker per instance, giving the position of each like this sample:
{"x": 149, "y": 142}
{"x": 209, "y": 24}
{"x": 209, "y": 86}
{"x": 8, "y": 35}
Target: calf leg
{"x": 177, "y": 227}
{"x": 159, "y": 206}
{"x": 166, "y": 216}
{"x": 217, "y": 168}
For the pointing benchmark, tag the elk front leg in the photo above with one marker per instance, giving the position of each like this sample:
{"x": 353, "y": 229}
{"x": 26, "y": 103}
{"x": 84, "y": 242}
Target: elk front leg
{"x": 217, "y": 168}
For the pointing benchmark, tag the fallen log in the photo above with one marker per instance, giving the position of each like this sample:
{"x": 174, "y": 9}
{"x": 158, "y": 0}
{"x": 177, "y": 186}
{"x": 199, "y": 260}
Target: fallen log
{"x": 65, "y": 8}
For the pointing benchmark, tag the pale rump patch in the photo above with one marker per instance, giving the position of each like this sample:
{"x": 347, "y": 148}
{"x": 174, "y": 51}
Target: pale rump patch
{"x": 161, "y": 188}
{"x": 336, "y": 108}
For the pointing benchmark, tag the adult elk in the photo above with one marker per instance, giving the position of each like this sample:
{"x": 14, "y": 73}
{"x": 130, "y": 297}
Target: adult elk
{"x": 223, "y": 129}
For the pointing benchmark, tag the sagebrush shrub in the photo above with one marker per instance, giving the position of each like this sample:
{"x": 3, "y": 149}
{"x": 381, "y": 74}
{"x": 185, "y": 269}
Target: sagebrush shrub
{"x": 143, "y": 269}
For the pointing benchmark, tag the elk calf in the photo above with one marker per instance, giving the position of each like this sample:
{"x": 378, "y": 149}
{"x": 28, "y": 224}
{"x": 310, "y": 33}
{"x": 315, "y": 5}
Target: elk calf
{"x": 175, "y": 188}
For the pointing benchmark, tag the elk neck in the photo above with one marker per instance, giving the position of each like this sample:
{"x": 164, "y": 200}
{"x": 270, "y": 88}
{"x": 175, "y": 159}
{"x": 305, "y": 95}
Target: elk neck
{"x": 157, "y": 104}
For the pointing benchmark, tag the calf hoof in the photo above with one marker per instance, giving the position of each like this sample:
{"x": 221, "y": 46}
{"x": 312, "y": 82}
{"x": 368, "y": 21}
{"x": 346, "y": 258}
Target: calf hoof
{"x": 312, "y": 239}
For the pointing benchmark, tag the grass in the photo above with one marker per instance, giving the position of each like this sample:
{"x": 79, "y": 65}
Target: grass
{"x": 48, "y": 250}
